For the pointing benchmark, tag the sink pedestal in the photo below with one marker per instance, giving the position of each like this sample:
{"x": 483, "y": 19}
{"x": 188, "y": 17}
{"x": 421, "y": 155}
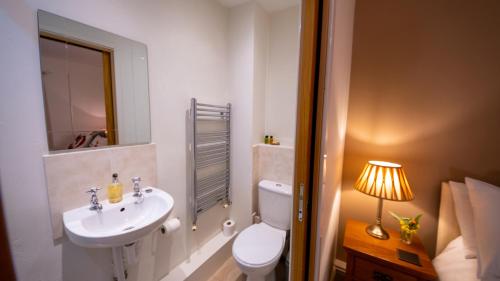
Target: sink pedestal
{"x": 118, "y": 268}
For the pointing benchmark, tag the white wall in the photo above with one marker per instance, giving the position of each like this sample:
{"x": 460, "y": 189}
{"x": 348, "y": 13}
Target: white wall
{"x": 241, "y": 58}
{"x": 337, "y": 93}
{"x": 261, "y": 49}
{"x": 275, "y": 72}
{"x": 282, "y": 77}
{"x": 190, "y": 59}
{"x": 187, "y": 50}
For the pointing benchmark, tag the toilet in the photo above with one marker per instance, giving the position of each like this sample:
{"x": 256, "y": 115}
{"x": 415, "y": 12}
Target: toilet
{"x": 258, "y": 248}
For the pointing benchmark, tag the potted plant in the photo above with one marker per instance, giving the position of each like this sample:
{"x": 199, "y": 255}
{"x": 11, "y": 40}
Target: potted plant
{"x": 408, "y": 226}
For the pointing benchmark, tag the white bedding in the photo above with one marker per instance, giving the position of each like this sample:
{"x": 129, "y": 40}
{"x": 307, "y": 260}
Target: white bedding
{"x": 451, "y": 264}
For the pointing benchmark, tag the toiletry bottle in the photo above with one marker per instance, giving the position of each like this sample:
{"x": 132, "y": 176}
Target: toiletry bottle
{"x": 271, "y": 140}
{"x": 115, "y": 190}
{"x": 266, "y": 139}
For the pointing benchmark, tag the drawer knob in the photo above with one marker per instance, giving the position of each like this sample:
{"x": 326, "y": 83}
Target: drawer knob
{"x": 379, "y": 276}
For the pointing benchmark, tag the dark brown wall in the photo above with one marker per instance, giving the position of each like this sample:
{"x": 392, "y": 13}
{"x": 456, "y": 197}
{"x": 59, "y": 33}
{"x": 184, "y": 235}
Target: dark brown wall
{"x": 425, "y": 92}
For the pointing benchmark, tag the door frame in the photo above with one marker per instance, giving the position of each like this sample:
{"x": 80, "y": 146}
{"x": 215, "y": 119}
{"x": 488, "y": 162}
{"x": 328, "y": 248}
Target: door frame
{"x": 308, "y": 136}
{"x": 7, "y": 265}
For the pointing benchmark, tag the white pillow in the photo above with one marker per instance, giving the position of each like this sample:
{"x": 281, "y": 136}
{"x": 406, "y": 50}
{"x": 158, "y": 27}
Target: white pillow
{"x": 463, "y": 212}
{"x": 485, "y": 201}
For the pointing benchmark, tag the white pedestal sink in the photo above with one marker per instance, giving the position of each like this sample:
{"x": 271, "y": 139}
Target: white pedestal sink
{"x": 118, "y": 224}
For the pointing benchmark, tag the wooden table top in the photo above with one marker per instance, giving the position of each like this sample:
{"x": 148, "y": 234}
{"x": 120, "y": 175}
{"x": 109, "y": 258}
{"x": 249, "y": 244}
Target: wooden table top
{"x": 356, "y": 239}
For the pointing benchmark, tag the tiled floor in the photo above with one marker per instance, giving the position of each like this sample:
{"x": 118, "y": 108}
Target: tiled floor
{"x": 228, "y": 272}
{"x": 231, "y": 272}
{"x": 281, "y": 271}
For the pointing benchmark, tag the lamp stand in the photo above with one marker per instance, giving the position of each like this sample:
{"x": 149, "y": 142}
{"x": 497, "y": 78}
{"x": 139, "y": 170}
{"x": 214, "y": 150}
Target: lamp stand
{"x": 376, "y": 230}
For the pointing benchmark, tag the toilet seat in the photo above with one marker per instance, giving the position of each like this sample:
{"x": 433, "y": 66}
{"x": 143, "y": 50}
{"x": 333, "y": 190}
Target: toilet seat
{"x": 259, "y": 245}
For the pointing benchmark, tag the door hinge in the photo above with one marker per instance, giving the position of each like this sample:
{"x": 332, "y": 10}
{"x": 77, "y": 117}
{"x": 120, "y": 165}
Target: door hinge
{"x": 301, "y": 202}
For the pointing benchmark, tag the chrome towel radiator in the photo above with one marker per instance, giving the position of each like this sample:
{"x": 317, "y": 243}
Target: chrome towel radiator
{"x": 210, "y": 154}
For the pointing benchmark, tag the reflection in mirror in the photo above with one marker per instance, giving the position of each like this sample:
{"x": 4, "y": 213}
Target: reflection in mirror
{"x": 78, "y": 94}
{"x": 95, "y": 85}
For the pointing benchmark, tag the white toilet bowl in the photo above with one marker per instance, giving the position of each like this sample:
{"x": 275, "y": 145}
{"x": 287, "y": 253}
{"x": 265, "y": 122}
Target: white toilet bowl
{"x": 257, "y": 251}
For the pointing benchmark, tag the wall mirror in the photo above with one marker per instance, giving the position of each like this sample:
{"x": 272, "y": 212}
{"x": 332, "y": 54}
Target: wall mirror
{"x": 95, "y": 85}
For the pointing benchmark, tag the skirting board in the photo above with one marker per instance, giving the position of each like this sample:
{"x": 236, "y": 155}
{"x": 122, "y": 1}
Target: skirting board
{"x": 340, "y": 265}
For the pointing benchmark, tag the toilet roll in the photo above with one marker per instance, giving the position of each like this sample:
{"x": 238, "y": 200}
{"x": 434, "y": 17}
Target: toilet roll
{"x": 228, "y": 227}
{"x": 170, "y": 226}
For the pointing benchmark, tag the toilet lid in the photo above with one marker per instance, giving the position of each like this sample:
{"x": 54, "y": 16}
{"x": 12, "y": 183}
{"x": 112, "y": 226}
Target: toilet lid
{"x": 259, "y": 244}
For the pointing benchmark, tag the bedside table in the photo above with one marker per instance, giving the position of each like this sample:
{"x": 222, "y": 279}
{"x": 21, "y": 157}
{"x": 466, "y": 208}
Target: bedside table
{"x": 369, "y": 258}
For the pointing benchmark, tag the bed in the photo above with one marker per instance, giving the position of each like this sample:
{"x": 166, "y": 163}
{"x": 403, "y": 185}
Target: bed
{"x": 449, "y": 262}
{"x": 468, "y": 240}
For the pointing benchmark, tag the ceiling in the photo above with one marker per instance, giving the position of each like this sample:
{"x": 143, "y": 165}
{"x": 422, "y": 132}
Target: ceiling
{"x": 268, "y": 5}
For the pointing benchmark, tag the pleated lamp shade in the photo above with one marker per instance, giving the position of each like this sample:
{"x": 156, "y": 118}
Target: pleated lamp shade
{"x": 384, "y": 180}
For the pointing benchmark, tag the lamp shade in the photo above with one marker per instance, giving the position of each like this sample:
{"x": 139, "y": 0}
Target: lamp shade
{"x": 384, "y": 180}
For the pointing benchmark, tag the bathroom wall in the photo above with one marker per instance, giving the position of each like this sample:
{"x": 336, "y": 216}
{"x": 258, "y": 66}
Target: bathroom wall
{"x": 282, "y": 75}
{"x": 275, "y": 71}
{"x": 193, "y": 62}
{"x": 276, "y": 37}
{"x": 187, "y": 50}
{"x": 241, "y": 67}
{"x": 261, "y": 29}
{"x": 274, "y": 163}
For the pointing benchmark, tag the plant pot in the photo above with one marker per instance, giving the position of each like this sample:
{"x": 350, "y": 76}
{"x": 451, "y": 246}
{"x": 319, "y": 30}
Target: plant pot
{"x": 406, "y": 236}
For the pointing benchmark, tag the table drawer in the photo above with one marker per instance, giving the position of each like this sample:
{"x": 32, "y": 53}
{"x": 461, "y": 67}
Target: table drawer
{"x": 367, "y": 271}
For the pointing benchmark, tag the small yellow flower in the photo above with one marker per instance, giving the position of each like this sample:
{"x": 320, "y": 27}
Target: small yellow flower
{"x": 408, "y": 224}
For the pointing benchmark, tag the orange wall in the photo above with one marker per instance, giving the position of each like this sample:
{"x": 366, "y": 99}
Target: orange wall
{"x": 425, "y": 92}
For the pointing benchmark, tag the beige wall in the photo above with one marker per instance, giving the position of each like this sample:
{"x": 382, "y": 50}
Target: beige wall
{"x": 425, "y": 92}
{"x": 271, "y": 162}
{"x": 334, "y": 132}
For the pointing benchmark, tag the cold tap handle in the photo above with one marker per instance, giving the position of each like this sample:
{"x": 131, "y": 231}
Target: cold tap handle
{"x": 93, "y": 190}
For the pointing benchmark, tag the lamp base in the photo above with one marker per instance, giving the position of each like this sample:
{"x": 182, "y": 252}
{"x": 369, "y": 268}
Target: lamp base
{"x": 377, "y": 231}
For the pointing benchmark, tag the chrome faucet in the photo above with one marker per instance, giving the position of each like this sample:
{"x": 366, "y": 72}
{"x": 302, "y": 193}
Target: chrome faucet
{"x": 137, "y": 190}
{"x": 94, "y": 201}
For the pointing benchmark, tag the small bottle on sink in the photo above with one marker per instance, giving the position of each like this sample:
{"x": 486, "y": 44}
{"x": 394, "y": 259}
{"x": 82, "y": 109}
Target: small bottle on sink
{"x": 115, "y": 190}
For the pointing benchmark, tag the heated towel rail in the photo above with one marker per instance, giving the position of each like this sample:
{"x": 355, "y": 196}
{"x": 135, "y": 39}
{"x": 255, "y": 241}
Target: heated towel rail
{"x": 210, "y": 154}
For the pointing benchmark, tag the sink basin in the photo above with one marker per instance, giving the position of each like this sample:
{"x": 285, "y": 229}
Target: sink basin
{"x": 119, "y": 223}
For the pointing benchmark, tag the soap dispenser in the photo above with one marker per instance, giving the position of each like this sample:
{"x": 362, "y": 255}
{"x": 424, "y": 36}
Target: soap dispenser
{"x": 115, "y": 190}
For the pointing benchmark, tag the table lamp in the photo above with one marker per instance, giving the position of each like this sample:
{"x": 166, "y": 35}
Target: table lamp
{"x": 383, "y": 180}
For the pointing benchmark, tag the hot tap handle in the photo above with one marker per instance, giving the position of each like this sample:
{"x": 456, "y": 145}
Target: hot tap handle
{"x": 93, "y": 190}
{"x": 136, "y": 179}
